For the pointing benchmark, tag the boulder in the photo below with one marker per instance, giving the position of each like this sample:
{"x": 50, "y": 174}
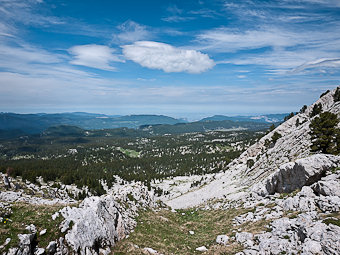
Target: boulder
{"x": 295, "y": 175}
{"x": 328, "y": 186}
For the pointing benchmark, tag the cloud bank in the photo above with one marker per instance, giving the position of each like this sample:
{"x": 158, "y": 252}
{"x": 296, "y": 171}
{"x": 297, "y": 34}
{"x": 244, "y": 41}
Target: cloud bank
{"x": 165, "y": 57}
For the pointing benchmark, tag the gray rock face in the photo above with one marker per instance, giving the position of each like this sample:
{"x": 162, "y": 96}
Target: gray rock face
{"x": 292, "y": 176}
{"x": 97, "y": 223}
{"x": 100, "y": 222}
{"x": 294, "y": 144}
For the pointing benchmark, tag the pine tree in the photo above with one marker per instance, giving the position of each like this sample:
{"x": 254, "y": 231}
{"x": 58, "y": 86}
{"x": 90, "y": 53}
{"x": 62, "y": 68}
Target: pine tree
{"x": 325, "y": 134}
{"x": 336, "y": 95}
{"x": 316, "y": 110}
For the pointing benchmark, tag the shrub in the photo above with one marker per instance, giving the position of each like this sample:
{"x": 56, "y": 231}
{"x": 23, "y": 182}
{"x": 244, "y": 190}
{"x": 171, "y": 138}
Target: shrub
{"x": 325, "y": 93}
{"x": 250, "y": 163}
{"x": 276, "y": 136}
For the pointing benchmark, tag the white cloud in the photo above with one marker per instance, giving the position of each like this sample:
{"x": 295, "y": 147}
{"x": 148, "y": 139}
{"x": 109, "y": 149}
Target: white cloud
{"x": 319, "y": 63}
{"x": 227, "y": 40}
{"x": 131, "y": 32}
{"x": 93, "y": 55}
{"x": 163, "y": 56}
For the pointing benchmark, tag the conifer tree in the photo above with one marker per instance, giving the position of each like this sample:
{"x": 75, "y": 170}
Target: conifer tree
{"x": 325, "y": 134}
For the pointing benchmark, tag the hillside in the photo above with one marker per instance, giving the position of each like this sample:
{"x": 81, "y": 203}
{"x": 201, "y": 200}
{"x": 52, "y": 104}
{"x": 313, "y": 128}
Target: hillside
{"x": 266, "y": 157}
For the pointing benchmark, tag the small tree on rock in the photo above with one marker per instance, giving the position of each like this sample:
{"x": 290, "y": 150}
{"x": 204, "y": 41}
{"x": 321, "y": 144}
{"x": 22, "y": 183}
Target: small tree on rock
{"x": 325, "y": 134}
{"x": 336, "y": 95}
{"x": 317, "y": 109}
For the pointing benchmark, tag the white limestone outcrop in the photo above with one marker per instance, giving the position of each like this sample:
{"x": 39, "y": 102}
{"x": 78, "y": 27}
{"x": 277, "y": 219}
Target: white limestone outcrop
{"x": 295, "y": 175}
{"x": 99, "y": 222}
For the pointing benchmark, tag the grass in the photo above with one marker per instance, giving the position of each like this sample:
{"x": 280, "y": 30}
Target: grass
{"x": 291, "y": 194}
{"x": 130, "y": 153}
{"x": 168, "y": 232}
{"x": 26, "y": 214}
{"x": 335, "y": 222}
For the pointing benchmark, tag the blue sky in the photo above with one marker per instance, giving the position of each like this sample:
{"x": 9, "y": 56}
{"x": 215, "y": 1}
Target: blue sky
{"x": 190, "y": 58}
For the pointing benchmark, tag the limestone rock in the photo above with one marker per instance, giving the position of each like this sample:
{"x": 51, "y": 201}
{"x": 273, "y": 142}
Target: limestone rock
{"x": 245, "y": 238}
{"x": 222, "y": 239}
{"x": 202, "y": 249}
{"x": 295, "y": 175}
{"x": 328, "y": 186}
{"x": 150, "y": 251}
{"x": 25, "y": 244}
{"x": 100, "y": 222}
{"x": 51, "y": 248}
{"x": 43, "y": 232}
{"x": 39, "y": 251}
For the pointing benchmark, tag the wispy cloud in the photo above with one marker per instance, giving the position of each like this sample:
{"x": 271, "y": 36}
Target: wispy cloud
{"x": 131, "y": 31}
{"x": 96, "y": 56}
{"x": 282, "y": 36}
{"x": 229, "y": 40}
{"x": 319, "y": 63}
{"x": 176, "y": 14}
{"x": 163, "y": 56}
{"x": 25, "y": 12}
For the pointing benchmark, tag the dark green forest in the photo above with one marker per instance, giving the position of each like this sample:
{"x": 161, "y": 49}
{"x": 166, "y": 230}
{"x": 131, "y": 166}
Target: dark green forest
{"x": 73, "y": 155}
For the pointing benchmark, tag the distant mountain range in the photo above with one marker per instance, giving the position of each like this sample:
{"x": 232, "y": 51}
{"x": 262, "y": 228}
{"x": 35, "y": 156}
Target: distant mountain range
{"x": 267, "y": 118}
{"x": 204, "y": 126}
{"x": 13, "y": 124}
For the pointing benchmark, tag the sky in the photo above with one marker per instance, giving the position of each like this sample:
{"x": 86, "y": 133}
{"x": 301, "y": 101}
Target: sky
{"x": 187, "y": 59}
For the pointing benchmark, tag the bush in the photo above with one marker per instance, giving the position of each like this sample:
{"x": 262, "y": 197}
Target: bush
{"x": 250, "y": 163}
{"x": 297, "y": 123}
{"x": 325, "y": 93}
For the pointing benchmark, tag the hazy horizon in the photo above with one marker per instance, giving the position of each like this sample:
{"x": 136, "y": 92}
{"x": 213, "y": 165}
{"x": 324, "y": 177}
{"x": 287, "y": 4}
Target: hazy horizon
{"x": 184, "y": 117}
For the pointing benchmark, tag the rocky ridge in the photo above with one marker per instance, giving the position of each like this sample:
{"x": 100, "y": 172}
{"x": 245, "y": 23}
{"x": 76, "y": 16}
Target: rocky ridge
{"x": 301, "y": 224}
{"x": 266, "y": 156}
